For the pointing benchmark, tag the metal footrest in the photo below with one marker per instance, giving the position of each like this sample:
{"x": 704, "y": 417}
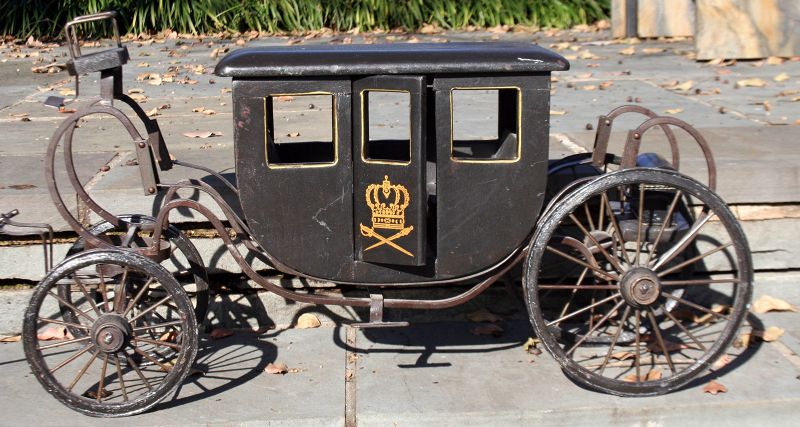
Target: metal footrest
{"x": 376, "y": 316}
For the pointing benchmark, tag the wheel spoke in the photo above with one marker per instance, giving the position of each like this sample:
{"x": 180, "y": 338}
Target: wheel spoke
{"x": 596, "y": 326}
{"x": 613, "y": 221}
{"x": 70, "y": 306}
{"x": 61, "y": 322}
{"x": 151, "y": 359}
{"x": 151, "y": 308}
{"x": 694, "y": 259}
{"x": 683, "y": 328}
{"x": 697, "y": 282}
{"x": 589, "y": 216}
{"x": 138, "y": 372}
{"x": 158, "y": 325}
{"x": 572, "y": 294}
{"x": 615, "y": 338}
{"x": 119, "y": 295}
{"x": 71, "y": 358}
{"x": 62, "y": 343}
{"x": 612, "y": 259}
{"x": 667, "y": 220}
{"x": 639, "y": 220}
{"x": 86, "y": 294}
{"x": 695, "y": 306}
{"x": 684, "y": 242}
{"x": 637, "y": 361}
{"x": 102, "y": 379}
{"x": 138, "y": 296}
{"x": 657, "y": 331}
{"x": 121, "y": 379}
{"x": 81, "y": 372}
{"x": 581, "y": 263}
{"x": 156, "y": 342}
{"x": 588, "y": 307}
{"x": 104, "y": 290}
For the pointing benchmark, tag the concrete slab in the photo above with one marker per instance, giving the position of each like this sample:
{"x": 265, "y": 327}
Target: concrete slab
{"x": 235, "y": 389}
{"x": 442, "y": 375}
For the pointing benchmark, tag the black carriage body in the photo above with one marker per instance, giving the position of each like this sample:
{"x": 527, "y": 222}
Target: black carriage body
{"x": 355, "y": 211}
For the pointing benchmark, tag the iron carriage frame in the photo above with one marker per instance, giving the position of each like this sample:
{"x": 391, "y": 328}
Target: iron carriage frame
{"x": 431, "y": 201}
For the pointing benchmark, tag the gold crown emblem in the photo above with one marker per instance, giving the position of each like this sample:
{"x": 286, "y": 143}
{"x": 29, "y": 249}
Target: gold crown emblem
{"x": 390, "y": 210}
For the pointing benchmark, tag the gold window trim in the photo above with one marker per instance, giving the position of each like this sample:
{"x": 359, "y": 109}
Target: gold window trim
{"x": 335, "y": 136}
{"x": 363, "y": 125}
{"x": 519, "y": 124}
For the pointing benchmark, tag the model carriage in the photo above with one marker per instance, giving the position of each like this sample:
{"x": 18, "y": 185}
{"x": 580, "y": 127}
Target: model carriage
{"x": 636, "y": 277}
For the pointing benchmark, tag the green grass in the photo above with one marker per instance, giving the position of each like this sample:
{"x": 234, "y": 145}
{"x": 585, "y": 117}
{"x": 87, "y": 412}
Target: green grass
{"x": 46, "y": 18}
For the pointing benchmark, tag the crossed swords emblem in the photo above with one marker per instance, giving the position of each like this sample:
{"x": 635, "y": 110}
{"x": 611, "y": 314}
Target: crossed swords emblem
{"x": 369, "y": 232}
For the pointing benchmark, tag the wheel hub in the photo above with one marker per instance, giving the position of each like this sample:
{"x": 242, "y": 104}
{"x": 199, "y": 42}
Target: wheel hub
{"x": 640, "y": 287}
{"x": 111, "y": 332}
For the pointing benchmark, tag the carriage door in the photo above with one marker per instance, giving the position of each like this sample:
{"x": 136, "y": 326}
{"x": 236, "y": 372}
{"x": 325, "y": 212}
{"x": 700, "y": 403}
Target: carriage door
{"x": 389, "y": 194}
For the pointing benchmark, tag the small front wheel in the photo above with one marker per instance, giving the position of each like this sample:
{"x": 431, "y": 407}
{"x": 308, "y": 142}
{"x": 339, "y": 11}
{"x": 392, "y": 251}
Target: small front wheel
{"x": 120, "y": 354}
{"x": 637, "y": 281}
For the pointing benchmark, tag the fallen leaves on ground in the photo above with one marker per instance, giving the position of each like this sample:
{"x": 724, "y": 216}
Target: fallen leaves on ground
{"x": 774, "y": 60}
{"x": 308, "y": 321}
{"x": 531, "y": 346}
{"x": 489, "y": 330}
{"x": 483, "y": 315}
{"x": 628, "y": 51}
{"x": 13, "y": 338}
{"x": 203, "y": 110}
{"x": 622, "y": 355}
{"x": 773, "y": 333}
{"x": 767, "y": 303}
{"x": 276, "y": 368}
{"x": 721, "y": 362}
{"x": 202, "y": 134}
{"x": 674, "y": 111}
{"x": 653, "y": 50}
{"x": 743, "y": 341}
{"x": 714, "y": 387}
{"x": 169, "y": 336}
{"x": 152, "y": 113}
{"x": 782, "y": 77}
{"x": 682, "y": 87}
{"x": 219, "y": 333}
{"x": 755, "y": 82}
{"x": 653, "y": 375}
{"x": 55, "y": 333}
{"x": 557, "y": 112}
{"x": 49, "y": 68}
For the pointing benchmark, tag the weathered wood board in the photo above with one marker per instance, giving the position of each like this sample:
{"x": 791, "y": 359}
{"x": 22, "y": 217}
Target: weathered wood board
{"x": 747, "y": 28}
{"x": 653, "y": 18}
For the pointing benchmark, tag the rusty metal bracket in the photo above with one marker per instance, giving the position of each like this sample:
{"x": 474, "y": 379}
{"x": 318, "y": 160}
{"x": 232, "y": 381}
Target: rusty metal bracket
{"x": 376, "y": 315}
{"x": 44, "y": 231}
{"x": 606, "y": 122}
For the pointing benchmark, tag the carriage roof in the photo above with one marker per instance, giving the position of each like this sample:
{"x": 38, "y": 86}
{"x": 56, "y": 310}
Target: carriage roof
{"x": 405, "y": 58}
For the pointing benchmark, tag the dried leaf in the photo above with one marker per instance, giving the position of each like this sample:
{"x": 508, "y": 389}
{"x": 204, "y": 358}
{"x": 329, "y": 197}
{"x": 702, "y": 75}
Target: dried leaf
{"x": 755, "y": 82}
{"x": 138, "y": 97}
{"x": 606, "y": 85}
{"x": 653, "y": 375}
{"x": 55, "y": 333}
{"x": 169, "y": 336}
{"x": 21, "y": 186}
{"x": 714, "y": 387}
{"x": 206, "y": 134}
{"x": 276, "y": 368}
{"x": 198, "y": 109}
{"x": 220, "y": 333}
{"x": 429, "y": 29}
{"x": 209, "y": 112}
{"x": 652, "y": 50}
{"x": 628, "y": 51}
{"x": 774, "y": 60}
{"x": 721, "y": 362}
{"x": 131, "y": 91}
{"x": 588, "y": 55}
{"x": 782, "y": 77}
{"x": 308, "y": 321}
{"x": 14, "y": 338}
{"x": 92, "y": 394}
{"x": 557, "y": 112}
{"x": 773, "y": 333}
{"x": 152, "y": 113}
{"x": 589, "y": 87}
{"x": 531, "y": 343}
{"x": 293, "y": 134}
{"x": 489, "y": 329}
{"x": 767, "y": 303}
{"x": 674, "y": 110}
{"x": 685, "y": 86}
{"x": 716, "y": 61}
{"x": 743, "y": 341}
{"x": 622, "y": 355}
{"x": 483, "y": 315}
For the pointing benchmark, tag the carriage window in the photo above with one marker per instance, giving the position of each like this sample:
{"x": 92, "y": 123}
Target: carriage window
{"x": 386, "y": 126}
{"x": 485, "y": 124}
{"x": 301, "y": 129}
